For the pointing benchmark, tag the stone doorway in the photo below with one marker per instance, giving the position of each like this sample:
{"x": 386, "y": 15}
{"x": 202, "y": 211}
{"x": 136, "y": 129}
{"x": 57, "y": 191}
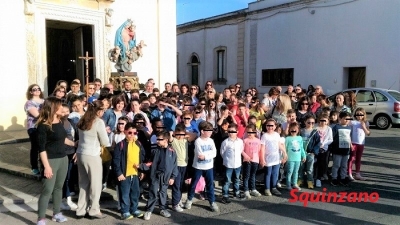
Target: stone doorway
{"x": 65, "y": 42}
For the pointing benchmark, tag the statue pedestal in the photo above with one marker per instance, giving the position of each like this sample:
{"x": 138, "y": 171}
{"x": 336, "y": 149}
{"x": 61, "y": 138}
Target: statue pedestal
{"x": 118, "y": 79}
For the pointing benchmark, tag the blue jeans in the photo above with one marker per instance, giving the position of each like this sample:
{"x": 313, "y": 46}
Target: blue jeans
{"x": 228, "y": 177}
{"x": 249, "y": 174}
{"x": 177, "y": 186}
{"x": 209, "y": 178}
{"x": 271, "y": 176}
{"x": 129, "y": 194}
{"x": 292, "y": 169}
{"x": 67, "y": 183}
{"x": 307, "y": 167}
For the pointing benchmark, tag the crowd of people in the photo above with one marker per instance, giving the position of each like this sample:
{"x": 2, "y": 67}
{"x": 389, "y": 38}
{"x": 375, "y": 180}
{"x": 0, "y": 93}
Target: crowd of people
{"x": 186, "y": 134}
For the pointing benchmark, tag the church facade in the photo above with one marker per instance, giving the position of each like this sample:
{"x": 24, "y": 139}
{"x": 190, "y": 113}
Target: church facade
{"x": 336, "y": 43}
{"x": 43, "y": 39}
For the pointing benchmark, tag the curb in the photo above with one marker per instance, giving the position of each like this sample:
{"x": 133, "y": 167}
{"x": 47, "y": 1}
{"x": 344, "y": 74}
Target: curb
{"x": 20, "y": 174}
{"x": 14, "y": 141}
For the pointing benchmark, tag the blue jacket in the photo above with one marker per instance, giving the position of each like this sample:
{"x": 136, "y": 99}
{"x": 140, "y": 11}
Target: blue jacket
{"x": 314, "y": 142}
{"x": 120, "y": 157}
{"x": 171, "y": 166}
{"x": 110, "y": 119}
{"x": 167, "y": 116}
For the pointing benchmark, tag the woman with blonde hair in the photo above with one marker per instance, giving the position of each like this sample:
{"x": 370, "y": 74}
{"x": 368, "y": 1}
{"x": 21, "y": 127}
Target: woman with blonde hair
{"x": 278, "y": 112}
{"x": 52, "y": 137}
{"x": 34, "y": 97}
{"x": 92, "y": 135}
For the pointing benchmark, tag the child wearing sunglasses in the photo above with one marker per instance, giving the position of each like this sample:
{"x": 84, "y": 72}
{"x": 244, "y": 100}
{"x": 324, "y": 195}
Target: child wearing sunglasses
{"x": 296, "y": 155}
{"x": 311, "y": 143}
{"x": 128, "y": 161}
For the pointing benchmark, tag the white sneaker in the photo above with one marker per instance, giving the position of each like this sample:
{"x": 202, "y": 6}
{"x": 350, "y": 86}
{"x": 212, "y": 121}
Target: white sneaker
{"x": 71, "y": 204}
{"x": 247, "y": 195}
{"x": 64, "y": 205}
{"x": 177, "y": 208}
{"x": 351, "y": 178}
{"x": 188, "y": 204}
{"x": 318, "y": 183}
{"x": 214, "y": 207}
{"x": 147, "y": 216}
{"x": 255, "y": 193}
{"x": 279, "y": 185}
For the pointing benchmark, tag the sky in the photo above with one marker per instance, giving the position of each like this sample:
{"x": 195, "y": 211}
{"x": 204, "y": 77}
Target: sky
{"x": 190, "y": 10}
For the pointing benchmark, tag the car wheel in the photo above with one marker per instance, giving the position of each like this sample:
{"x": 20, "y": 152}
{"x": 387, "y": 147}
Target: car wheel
{"x": 382, "y": 122}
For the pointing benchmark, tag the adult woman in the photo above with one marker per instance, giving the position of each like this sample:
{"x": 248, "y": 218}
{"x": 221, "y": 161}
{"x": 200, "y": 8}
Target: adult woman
{"x": 59, "y": 92}
{"x": 111, "y": 115}
{"x": 184, "y": 89}
{"x": 310, "y": 90}
{"x": 339, "y": 105}
{"x": 52, "y": 137}
{"x": 193, "y": 94}
{"x": 227, "y": 95}
{"x": 211, "y": 112}
{"x": 219, "y": 100}
{"x": 323, "y": 101}
{"x": 92, "y": 135}
{"x": 247, "y": 100}
{"x": 350, "y": 100}
{"x": 302, "y": 111}
{"x": 278, "y": 113}
{"x": 34, "y": 97}
{"x": 208, "y": 85}
{"x": 238, "y": 90}
{"x": 210, "y": 93}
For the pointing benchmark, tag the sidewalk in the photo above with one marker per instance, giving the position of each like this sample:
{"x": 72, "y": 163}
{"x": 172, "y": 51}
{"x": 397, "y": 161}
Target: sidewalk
{"x": 8, "y": 137}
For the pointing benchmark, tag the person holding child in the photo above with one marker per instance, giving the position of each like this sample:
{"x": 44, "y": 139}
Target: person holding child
{"x": 128, "y": 161}
{"x": 163, "y": 172}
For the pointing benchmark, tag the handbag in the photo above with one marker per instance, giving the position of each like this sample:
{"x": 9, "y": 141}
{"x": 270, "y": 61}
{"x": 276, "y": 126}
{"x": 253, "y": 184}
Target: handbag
{"x": 105, "y": 154}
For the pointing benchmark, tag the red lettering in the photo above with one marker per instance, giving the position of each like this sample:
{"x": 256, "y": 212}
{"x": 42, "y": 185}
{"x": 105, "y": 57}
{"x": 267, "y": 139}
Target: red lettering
{"x": 374, "y": 197}
{"x": 293, "y": 196}
{"x": 363, "y": 195}
{"x": 334, "y": 194}
{"x": 352, "y": 197}
{"x": 342, "y": 196}
{"x": 304, "y": 198}
{"x": 315, "y": 199}
{"x": 323, "y": 195}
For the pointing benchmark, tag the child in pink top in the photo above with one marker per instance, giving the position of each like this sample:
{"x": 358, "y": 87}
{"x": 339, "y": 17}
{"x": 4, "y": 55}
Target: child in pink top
{"x": 251, "y": 159}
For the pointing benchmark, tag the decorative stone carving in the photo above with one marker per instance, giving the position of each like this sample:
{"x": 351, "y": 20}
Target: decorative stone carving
{"x": 118, "y": 79}
{"x": 109, "y": 13}
{"x": 29, "y": 7}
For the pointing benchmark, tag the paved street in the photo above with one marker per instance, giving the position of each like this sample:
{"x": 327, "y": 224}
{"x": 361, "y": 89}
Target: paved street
{"x": 380, "y": 164}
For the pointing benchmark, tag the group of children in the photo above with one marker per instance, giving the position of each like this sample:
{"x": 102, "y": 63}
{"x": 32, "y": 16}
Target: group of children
{"x": 303, "y": 154}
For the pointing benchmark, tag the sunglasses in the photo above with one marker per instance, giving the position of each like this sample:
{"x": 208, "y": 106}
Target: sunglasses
{"x": 297, "y": 89}
{"x": 131, "y": 132}
{"x": 91, "y": 88}
{"x": 208, "y": 84}
{"x": 193, "y": 88}
{"x": 304, "y": 103}
{"x": 139, "y": 122}
{"x": 253, "y": 102}
{"x": 119, "y": 124}
{"x": 36, "y": 89}
{"x": 209, "y": 92}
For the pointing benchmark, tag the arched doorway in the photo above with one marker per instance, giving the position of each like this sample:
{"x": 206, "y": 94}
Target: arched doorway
{"x": 194, "y": 63}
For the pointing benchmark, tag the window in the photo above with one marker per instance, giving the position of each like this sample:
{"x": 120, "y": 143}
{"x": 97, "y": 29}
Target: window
{"x": 365, "y": 96}
{"x": 277, "y": 77}
{"x": 220, "y": 65}
{"x": 220, "y": 70}
{"x": 380, "y": 97}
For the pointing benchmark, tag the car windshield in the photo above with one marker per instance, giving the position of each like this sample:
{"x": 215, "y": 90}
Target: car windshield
{"x": 395, "y": 94}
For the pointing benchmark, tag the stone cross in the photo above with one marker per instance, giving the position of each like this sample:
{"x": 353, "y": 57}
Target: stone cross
{"x": 87, "y": 58}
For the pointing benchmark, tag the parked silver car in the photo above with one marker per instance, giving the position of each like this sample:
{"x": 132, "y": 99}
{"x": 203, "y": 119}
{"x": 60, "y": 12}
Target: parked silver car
{"x": 381, "y": 105}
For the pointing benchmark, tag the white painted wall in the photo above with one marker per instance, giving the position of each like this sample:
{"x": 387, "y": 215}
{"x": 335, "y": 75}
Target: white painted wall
{"x": 13, "y": 64}
{"x": 318, "y": 46}
{"x": 203, "y": 43}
